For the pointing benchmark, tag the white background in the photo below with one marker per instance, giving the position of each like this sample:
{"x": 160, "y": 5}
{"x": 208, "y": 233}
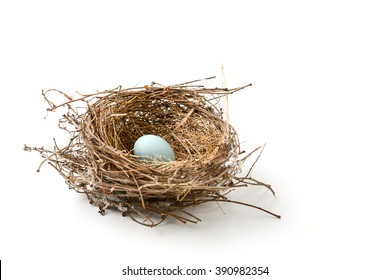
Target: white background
{"x": 320, "y": 73}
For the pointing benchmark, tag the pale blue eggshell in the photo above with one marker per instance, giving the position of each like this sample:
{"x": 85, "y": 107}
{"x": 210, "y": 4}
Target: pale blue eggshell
{"x": 153, "y": 147}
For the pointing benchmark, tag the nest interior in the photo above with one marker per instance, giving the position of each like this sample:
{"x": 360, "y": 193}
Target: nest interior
{"x": 99, "y": 159}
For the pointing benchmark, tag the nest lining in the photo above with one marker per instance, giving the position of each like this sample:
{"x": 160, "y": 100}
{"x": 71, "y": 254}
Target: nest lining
{"x": 99, "y": 159}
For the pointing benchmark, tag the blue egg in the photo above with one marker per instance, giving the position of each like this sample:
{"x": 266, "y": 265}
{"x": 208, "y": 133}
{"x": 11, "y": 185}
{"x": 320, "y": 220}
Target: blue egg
{"x": 153, "y": 147}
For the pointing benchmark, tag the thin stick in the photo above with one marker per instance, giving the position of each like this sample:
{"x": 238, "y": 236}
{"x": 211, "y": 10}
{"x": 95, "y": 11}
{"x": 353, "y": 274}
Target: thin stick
{"x": 257, "y": 158}
{"x": 194, "y": 81}
{"x": 249, "y": 205}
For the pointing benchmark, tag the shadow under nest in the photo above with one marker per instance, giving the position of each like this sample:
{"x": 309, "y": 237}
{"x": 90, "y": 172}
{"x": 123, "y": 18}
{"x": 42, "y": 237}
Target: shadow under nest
{"x": 99, "y": 159}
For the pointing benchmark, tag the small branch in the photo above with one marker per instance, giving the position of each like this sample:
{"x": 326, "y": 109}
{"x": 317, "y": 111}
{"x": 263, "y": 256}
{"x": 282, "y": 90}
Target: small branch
{"x": 257, "y": 158}
{"x": 194, "y": 81}
{"x": 249, "y": 205}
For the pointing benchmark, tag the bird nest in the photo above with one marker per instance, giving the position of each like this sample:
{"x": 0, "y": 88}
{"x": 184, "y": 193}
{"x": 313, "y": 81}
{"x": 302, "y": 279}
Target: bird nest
{"x": 99, "y": 160}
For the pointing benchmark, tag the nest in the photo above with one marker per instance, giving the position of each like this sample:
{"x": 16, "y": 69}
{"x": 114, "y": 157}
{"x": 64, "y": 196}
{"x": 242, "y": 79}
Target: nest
{"x": 99, "y": 160}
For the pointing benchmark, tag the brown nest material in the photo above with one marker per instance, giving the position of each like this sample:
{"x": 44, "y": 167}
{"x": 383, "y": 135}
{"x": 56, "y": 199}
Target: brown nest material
{"x": 99, "y": 159}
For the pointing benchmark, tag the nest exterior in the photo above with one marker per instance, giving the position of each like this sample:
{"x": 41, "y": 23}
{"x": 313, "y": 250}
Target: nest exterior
{"x": 99, "y": 159}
